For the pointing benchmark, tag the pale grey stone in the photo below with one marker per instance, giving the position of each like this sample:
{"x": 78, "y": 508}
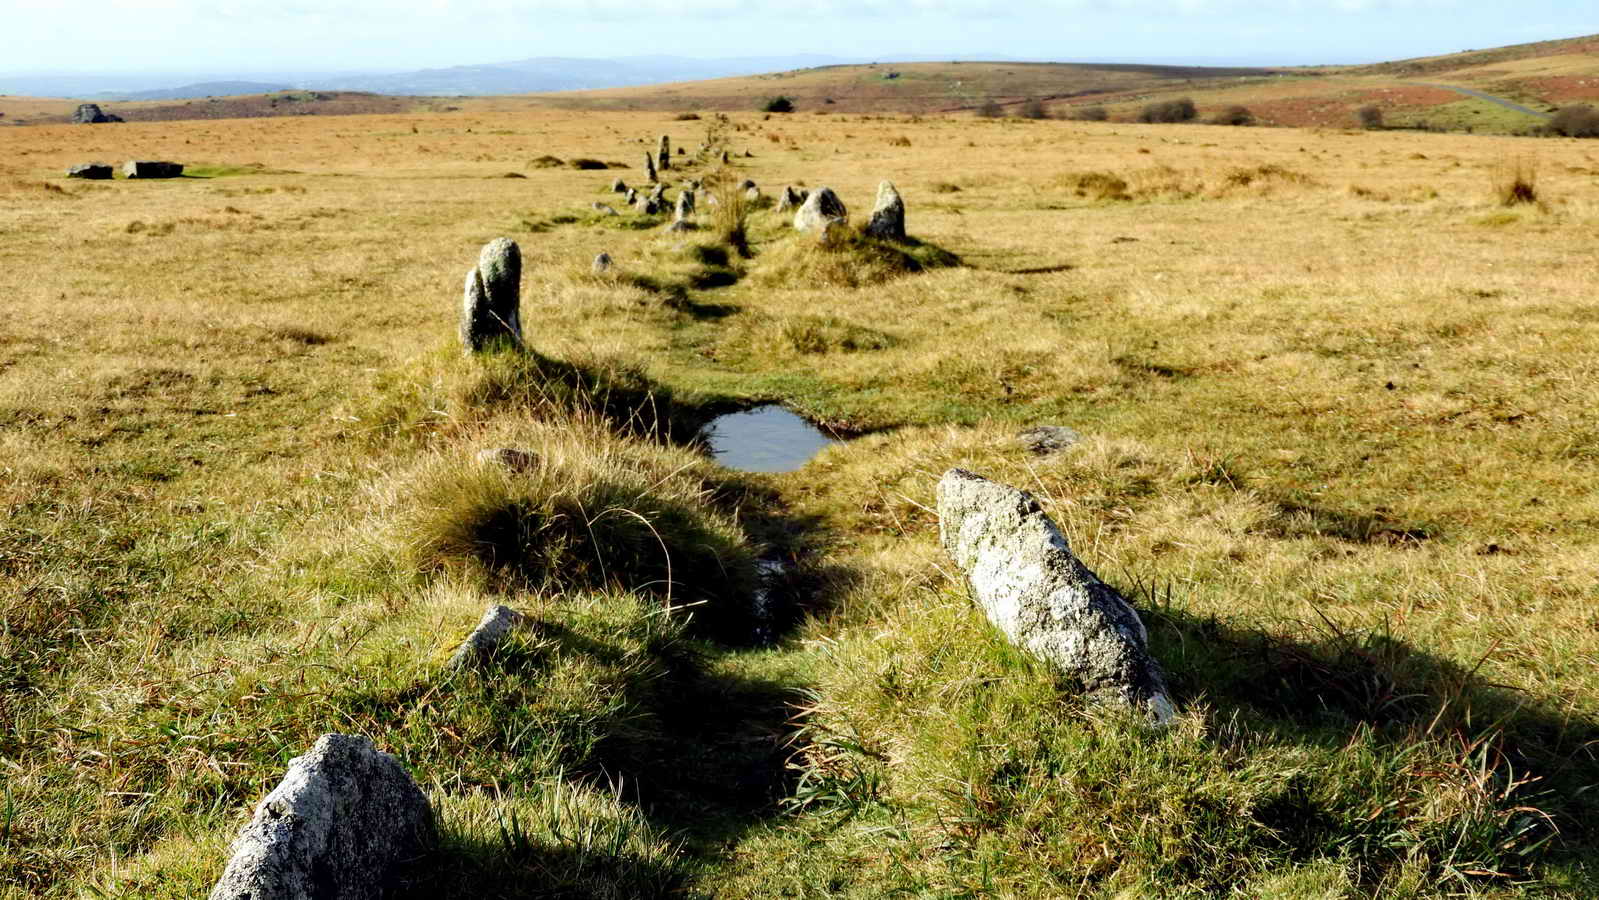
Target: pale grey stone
{"x": 602, "y": 264}
{"x": 819, "y": 209}
{"x": 94, "y": 171}
{"x": 603, "y": 208}
{"x": 631, "y": 197}
{"x": 1043, "y": 440}
{"x": 341, "y": 825}
{"x": 618, "y": 186}
{"x": 748, "y": 185}
{"x": 888, "y": 216}
{"x": 145, "y": 168}
{"x": 491, "y": 308}
{"x": 685, "y": 205}
{"x": 682, "y": 225}
{"x": 1024, "y": 576}
{"x": 490, "y": 632}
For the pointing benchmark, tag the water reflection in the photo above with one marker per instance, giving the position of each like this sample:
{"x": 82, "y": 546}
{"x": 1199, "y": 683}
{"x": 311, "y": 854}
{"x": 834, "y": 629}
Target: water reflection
{"x": 764, "y": 439}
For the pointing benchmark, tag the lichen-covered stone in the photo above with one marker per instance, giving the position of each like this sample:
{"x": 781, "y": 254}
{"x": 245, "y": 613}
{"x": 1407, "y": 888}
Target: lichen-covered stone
{"x": 819, "y": 209}
{"x": 888, "y": 216}
{"x": 491, "y": 307}
{"x": 340, "y": 826}
{"x": 490, "y": 632}
{"x": 92, "y": 114}
{"x": 1024, "y": 576}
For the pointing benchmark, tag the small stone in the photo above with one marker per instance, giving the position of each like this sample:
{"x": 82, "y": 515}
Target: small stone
{"x": 602, "y": 264}
{"x": 490, "y": 632}
{"x": 144, "y": 168}
{"x": 95, "y": 171}
{"x": 1043, "y": 440}
{"x": 747, "y": 185}
{"x": 819, "y": 209}
{"x": 618, "y": 186}
{"x": 888, "y": 216}
{"x": 342, "y": 824}
{"x": 510, "y": 458}
{"x": 682, "y": 225}
{"x": 491, "y": 307}
{"x": 603, "y": 209}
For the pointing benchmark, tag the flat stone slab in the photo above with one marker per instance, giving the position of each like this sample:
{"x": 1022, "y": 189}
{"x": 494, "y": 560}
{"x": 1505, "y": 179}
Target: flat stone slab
{"x": 342, "y": 823}
{"x": 1024, "y": 577}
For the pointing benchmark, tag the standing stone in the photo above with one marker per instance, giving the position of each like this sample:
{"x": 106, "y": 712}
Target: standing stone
{"x": 790, "y": 199}
{"x": 664, "y": 154}
{"x": 144, "y": 168}
{"x": 658, "y": 194}
{"x": 819, "y": 209}
{"x": 747, "y": 185}
{"x": 92, "y": 114}
{"x": 490, "y": 632}
{"x": 602, "y": 264}
{"x": 492, "y": 306}
{"x": 95, "y": 171}
{"x": 631, "y": 197}
{"x": 888, "y": 216}
{"x": 619, "y": 186}
{"x": 724, "y": 157}
{"x": 649, "y": 167}
{"x": 685, "y": 205}
{"x": 342, "y": 823}
{"x": 1025, "y": 578}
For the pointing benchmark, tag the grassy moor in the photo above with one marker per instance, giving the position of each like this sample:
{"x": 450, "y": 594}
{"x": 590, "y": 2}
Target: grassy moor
{"x": 1337, "y": 392}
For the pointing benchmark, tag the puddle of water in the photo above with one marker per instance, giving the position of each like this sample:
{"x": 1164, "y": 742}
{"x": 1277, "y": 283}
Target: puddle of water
{"x": 764, "y": 439}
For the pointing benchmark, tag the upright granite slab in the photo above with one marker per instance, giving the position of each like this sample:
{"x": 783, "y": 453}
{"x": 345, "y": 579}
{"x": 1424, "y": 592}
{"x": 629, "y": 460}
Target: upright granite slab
{"x": 1025, "y": 578}
{"x": 340, "y": 826}
{"x": 491, "y": 305}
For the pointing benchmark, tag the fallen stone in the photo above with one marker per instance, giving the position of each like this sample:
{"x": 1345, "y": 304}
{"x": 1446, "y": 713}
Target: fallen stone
{"x": 490, "y": 632}
{"x": 509, "y": 458}
{"x": 664, "y": 153}
{"x": 602, "y": 264}
{"x": 491, "y": 308}
{"x": 95, "y": 171}
{"x": 888, "y": 216}
{"x": 144, "y": 168}
{"x": 92, "y": 114}
{"x": 1025, "y": 578}
{"x": 1043, "y": 440}
{"x": 342, "y": 824}
{"x": 819, "y": 209}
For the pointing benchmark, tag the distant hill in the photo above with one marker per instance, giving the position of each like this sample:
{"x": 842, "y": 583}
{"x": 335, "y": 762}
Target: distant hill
{"x": 553, "y": 73}
{"x": 191, "y": 91}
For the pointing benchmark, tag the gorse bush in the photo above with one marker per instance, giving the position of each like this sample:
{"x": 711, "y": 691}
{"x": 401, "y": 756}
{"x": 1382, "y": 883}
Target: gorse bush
{"x": 1233, "y": 115}
{"x": 990, "y": 110}
{"x": 1516, "y": 183}
{"x": 777, "y": 104}
{"x": 1034, "y": 109}
{"x": 1179, "y": 110}
{"x": 1580, "y": 121}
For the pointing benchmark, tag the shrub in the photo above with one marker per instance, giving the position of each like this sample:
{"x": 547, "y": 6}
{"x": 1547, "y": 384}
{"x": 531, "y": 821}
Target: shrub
{"x": 1034, "y": 109}
{"x": 1370, "y": 116}
{"x": 1516, "y": 183}
{"x": 1090, "y": 114}
{"x": 731, "y": 210}
{"x": 1179, "y": 110}
{"x": 779, "y": 104}
{"x": 1576, "y": 121}
{"x": 991, "y": 110}
{"x": 1234, "y": 115}
{"x": 686, "y": 117}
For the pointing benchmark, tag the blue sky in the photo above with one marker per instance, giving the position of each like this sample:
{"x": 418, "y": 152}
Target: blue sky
{"x": 261, "y": 36}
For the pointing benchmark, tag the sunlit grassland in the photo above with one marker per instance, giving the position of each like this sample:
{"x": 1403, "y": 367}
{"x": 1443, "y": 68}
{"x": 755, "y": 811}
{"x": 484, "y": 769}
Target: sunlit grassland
{"x": 1340, "y": 442}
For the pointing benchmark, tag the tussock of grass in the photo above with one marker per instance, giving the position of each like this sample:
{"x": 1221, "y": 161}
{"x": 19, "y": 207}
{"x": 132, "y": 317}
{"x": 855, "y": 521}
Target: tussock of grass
{"x": 853, "y": 261}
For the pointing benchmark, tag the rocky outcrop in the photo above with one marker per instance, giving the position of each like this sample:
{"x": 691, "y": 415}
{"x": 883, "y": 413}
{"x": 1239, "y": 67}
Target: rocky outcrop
{"x": 819, "y": 209}
{"x": 145, "y": 168}
{"x": 1025, "y": 578}
{"x": 92, "y": 114}
{"x": 888, "y": 216}
{"x": 491, "y": 631}
{"x": 491, "y": 308}
{"x": 96, "y": 171}
{"x": 340, "y": 826}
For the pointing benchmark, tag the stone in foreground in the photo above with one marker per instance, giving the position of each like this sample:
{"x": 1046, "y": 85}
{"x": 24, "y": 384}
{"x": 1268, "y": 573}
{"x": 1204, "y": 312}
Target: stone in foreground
{"x": 1025, "y": 578}
{"x": 145, "y": 168}
{"x": 490, "y": 632}
{"x": 342, "y": 823}
{"x": 888, "y": 216}
{"x": 95, "y": 171}
{"x": 491, "y": 308}
{"x": 819, "y": 209}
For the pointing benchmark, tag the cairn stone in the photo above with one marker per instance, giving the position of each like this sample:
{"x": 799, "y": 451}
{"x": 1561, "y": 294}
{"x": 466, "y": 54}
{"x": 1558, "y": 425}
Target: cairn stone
{"x": 619, "y": 186}
{"x": 819, "y": 209}
{"x": 790, "y": 199}
{"x": 509, "y": 458}
{"x": 1042, "y": 440}
{"x": 95, "y": 171}
{"x": 649, "y": 167}
{"x": 1025, "y": 578}
{"x": 490, "y": 632}
{"x": 602, "y": 264}
{"x": 92, "y": 114}
{"x": 144, "y": 168}
{"x": 664, "y": 154}
{"x": 492, "y": 306}
{"x": 888, "y": 216}
{"x": 341, "y": 824}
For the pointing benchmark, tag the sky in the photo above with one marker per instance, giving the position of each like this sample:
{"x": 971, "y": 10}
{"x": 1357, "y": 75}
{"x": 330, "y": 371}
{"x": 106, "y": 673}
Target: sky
{"x": 243, "y": 37}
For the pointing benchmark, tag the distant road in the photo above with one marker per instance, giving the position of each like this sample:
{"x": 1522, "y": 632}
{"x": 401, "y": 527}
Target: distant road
{"x": 1489, "y": 97}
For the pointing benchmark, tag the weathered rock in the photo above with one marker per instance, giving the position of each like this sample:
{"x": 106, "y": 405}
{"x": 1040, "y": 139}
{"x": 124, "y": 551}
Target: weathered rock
{"x": 888, "y": 216}
{"x": 602, "y": 264}
{"x": 685, "y": 205}
{"x": 631, "y": 197}
{"x": 790, "y": 199}
{"x": 1025, "y": 578}
{"x": 492, "y": 306}
{"x": 648, "y": 206}
{"x": 747, "y": 184}
{"x": 658, "y": 194}
{"x": 509, "y": 458}
{"x": 96, "y": 171}
{"x": 752, "y": 194}
{"x": 649, "y": 167}
{"x": 343, "y": 822}
{"x": 664, "y": 154}
{"x": 604, "y": 209}
{"x": 820, "y": 208}
{"x": 619, "y": 186}
{"x": 724, "y": 157}
{"x": 92, "y": 114}
{"x": 1043, "y": 440}
{"x": 490, "y": 632}
{"x": 144, "y": 168}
